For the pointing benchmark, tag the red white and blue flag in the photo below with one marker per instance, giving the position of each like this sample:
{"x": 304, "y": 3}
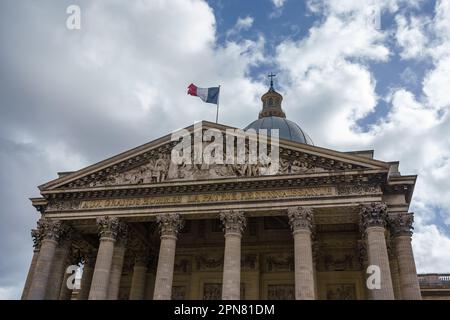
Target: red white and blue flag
{"x": 208, "y": 95}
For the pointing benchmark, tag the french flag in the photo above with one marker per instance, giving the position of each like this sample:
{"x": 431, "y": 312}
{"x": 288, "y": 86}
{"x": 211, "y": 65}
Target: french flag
{"x": 208, "y": 95}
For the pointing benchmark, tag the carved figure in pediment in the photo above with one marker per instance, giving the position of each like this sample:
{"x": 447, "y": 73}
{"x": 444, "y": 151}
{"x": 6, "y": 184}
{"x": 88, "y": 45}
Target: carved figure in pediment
{"x": 298, "y": 167}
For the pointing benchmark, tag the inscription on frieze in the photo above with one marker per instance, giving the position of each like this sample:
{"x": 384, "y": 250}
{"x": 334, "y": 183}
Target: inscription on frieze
{"x": 208, "y": 198}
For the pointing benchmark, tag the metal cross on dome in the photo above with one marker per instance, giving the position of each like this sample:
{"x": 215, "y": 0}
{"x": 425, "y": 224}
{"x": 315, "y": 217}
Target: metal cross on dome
{"x": 271, "y": 76}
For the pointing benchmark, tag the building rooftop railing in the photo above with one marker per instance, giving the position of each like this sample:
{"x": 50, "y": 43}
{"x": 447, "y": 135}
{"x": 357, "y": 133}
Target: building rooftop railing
{"x": 434, "y": 280}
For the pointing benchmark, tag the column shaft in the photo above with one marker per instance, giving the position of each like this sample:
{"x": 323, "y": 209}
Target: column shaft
{"x": 58, "y": 271}
{"x": 378, "y": 256}
{"x": 31, "y": 271}
{"x": 44, "y": 261}
{"x": 301, "y": 221}
{"x": 409, "y": 282}
{"x": 164, "y": 271}
{"x": 393, "y": 265}
{"x": 169, "y": 225}
{"x": 100, "y": 278}
{"x": 304, "y": 270}
{"x": 231, "y": 285}
{"x": 234, "y": 223}
{"x": 65, "y": 293}
{"x": 86, "y": 280}
{"x": 116, "y": 271}
{"x": 138, "y": 281}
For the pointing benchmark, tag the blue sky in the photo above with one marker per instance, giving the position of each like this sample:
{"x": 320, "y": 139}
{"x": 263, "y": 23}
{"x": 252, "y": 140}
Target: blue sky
{"x": 70, "y": 98}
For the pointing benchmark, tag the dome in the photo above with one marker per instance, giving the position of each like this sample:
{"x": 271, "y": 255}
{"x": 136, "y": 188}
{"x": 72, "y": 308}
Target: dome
{"x": 288, "y": 129}
{"x": 272, "y": 116}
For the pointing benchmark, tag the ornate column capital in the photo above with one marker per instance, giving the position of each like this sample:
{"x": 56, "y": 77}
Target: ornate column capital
{"x": 373, "y": 215}
{"x": 401, "y": 224}
{"x": 300, "y": 218}
{"x": 50, "y": 230}
{"x": 169, "y": 224}
{"x": 233, "y": 221}
{"x": 110, "y": 227}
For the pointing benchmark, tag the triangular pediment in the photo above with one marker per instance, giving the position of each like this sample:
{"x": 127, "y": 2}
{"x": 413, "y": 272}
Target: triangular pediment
{"x": 151, "y": 164}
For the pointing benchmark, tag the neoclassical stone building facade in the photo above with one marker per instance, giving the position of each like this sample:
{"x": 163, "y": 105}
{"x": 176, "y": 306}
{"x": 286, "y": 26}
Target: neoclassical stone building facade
{"x": 143, "y": 227}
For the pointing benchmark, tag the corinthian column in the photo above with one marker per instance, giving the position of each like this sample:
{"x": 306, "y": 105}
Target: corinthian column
{"x": 138, "y": 280}
{"x": 108, "y": 229}
{"x": 117, "y": 263}
{"x": 59, "y": 266}
{"x": 37, "y": 246}
{"x": 401, "y": 230}
{"x": 169, "y": 226}
{"x": 88, "y": 272}
{"x": 373, "y": 222}
{"x": 49, "y": 232}
{"x": 300, "y": 219}
{"x": 234, "y": 225}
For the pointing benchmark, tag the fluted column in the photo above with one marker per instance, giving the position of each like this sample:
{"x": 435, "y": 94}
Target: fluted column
{"x": 65, "y": 293}
{"x": 88, "y": 272}
{"x": 50, "y": 233}
{"x": 59, "y": 266}
{"x": 169, "y": 226}
{"x": 117, "y": 264}
{"x": 234, "y": 223}
{"x": 401, "y": 230}
{"x": 31, "y": 270}
{"x": 108, "y": 230}
{"x": 138, "y": 280}
{"x": 373, "y": 222}
{"x": 395, "y": 274}
{"x": 300, "y": 219}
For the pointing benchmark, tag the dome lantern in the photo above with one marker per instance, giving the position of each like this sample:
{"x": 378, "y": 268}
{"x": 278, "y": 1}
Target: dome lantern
{"x": 273, "y": 117}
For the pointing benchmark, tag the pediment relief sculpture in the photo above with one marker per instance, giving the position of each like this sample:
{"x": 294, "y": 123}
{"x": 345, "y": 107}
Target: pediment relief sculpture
{"x": 160, "y": 169}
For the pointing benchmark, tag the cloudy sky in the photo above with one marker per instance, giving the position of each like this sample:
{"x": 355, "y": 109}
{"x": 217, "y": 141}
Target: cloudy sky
{"x": 69, "y": 98}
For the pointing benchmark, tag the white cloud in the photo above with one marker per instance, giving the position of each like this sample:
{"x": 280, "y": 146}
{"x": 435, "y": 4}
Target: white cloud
{"x": 241, "y": 25}
{"x": 411, "y": 36}
{"x": 278, "y": 3}
{"x": 431, "y": 248}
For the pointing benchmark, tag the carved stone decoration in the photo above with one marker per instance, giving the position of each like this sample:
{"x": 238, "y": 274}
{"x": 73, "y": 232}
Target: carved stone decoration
{"x": 401, "y": 224}
{"x": 233, "y": 221}
{"x": 37, "y": 238}
{"x": 280, "y": 292}
{"x": 63, "y": 205}
{"x": 51, "y": 230}
{"x": 359, "y": 189}
{"x": 108, "y": 226}
{"x": 278, "y": 262}
{"x": 373, "y": 215}
{"x": 339, "y": 261}
{"x": 182, "y": 265}
{"x": 169, "y": 224}
{"x": 212, "y": 291}
{"x": 209, "y": 263}
{"x": 300, "y": 218}
{"x": 341, "y": 292}
{"x": 178, "y": 292}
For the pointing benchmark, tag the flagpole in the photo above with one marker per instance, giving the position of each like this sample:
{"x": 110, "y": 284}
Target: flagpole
{"x": 217, "y": 111}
